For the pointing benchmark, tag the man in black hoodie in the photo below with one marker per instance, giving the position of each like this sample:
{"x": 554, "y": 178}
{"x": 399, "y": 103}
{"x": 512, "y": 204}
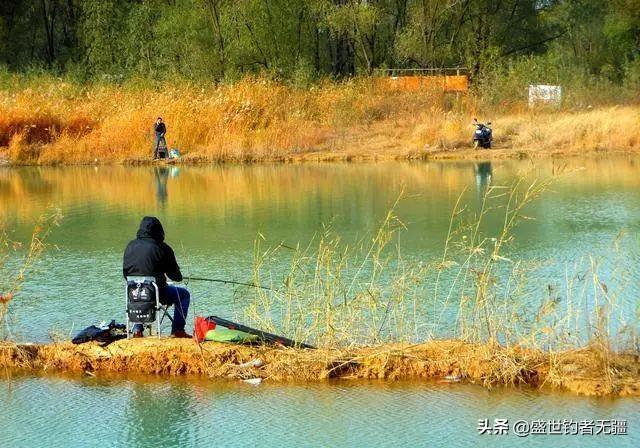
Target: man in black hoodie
{"x": 149, "y": 255}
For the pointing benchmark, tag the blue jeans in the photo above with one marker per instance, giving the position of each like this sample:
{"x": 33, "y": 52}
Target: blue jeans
{"x": 180, "y": 299}
{"x": 159, "y": 139}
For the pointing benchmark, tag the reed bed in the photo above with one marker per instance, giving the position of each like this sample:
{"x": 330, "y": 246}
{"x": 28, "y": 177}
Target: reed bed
{"x": 56, "y": 122}
{"x": 489, "y": 365}
{"x": 471, "y": 314}
{"x": 50, "y": 121}
{"x": 337, "y": 293}
{"x": 341, "y": 296}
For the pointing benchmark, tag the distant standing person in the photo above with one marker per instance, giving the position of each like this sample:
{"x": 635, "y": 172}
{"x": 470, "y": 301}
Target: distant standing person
{"x": 160, "y": 130}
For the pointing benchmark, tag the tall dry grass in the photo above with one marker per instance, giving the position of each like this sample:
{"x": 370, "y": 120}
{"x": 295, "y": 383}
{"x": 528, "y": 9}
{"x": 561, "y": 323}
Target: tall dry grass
{"x": 16, "y": 262}
{"x": 49, "y": 121}
{"x": 252, "y": 119}
{"x": 338, "y": 295}
{"x": 610, "y": 128}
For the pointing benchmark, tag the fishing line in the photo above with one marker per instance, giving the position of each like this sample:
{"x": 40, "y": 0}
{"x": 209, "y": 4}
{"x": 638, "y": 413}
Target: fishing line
{"x": 229, "y": 282}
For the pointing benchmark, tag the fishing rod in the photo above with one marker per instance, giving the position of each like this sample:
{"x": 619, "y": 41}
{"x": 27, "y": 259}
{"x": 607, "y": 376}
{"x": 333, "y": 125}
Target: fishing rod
{"x": 228, "y": 282}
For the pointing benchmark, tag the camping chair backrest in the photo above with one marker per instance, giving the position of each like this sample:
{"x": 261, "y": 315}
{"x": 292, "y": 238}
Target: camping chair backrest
{"x": 142, "y": 297}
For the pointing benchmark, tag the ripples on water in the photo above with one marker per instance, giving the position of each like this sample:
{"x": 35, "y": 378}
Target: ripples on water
{"x": 57, "y": 412}
{"x": 213, "y": 215}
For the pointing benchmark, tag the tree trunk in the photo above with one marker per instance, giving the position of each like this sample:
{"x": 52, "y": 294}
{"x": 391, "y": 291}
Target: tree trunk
{"x": 214, "y": 13}
{"x": 49, "y": 17}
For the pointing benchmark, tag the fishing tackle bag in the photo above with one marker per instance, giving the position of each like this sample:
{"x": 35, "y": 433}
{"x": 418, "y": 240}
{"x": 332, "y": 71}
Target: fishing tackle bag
{"x": 142, "y": 304}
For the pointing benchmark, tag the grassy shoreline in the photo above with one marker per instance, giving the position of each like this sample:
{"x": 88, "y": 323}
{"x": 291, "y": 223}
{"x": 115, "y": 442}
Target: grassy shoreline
{"x": 581, "y": 371}
{"x": 378, "y": 315}
{"x": 458, "y": 154}
{"x": 52, "y": 122}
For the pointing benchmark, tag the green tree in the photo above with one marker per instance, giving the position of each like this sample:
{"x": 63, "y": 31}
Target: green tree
{"x": 217, "y": 39}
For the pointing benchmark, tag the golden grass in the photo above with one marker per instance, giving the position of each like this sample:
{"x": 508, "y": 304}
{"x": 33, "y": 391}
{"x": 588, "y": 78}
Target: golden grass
{"x": 490, "y": 365}
{"x": 256, "y": 119}
{"x": 609, "y": 128}
{"x": 252, "y": 119}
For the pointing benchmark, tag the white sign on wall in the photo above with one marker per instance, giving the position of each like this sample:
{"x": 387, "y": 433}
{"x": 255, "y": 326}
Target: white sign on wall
{"x": 541, "y": 94}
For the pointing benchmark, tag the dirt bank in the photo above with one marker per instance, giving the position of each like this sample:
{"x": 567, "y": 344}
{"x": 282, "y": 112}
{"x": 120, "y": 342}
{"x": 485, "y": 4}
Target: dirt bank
{"x": 257, "y": 120}
{"x": 584, "y": 372}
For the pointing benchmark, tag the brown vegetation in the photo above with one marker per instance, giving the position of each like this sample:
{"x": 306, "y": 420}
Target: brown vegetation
{"x": 260, "y": 120}
{"x": 580, "y": 371}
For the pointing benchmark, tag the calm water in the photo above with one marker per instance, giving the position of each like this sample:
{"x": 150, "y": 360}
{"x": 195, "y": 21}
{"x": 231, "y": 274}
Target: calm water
{"x": 212, "y": 215}
{"x": 91, "y": 412}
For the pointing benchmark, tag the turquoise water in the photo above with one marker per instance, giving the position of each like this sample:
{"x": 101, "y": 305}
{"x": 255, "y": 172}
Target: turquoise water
{"x": 212, "y": 216}
{"x": 93, "y": 412}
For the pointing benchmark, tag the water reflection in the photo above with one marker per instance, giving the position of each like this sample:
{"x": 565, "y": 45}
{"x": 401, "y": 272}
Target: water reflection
{"x": 216, "y": 213}
{"x": 25, "y": 192}
{"x": 161, "y": 177}
{"x": 483, "y": 172}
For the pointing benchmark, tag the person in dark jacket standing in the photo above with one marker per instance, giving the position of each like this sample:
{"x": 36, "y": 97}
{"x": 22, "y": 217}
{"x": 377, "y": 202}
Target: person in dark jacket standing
{"x": 149, "y": 255}
{"x": 160, "y": 129}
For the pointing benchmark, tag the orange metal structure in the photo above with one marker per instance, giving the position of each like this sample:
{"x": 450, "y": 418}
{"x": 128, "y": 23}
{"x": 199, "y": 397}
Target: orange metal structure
{"x": 446, "y": 83}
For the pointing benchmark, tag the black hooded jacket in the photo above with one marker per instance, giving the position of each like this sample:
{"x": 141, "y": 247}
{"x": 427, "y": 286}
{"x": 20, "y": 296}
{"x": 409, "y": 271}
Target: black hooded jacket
{"x": 149, "y": 255}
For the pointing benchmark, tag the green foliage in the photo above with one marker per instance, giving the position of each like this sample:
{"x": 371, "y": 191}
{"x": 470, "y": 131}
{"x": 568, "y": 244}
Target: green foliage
{"x": 301, "y": 40}
{"x": 103, "y": 44}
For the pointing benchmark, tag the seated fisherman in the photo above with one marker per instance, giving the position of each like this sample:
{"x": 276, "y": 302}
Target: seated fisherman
{"x": 149, "y": 255}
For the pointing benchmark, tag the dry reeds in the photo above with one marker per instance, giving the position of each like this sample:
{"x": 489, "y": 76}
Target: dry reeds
{"x": 335, "y": 294}
{"x": 52, "y": 122}
{"x": 16, "y": 262}
{"x": 485, "y": 364}
{"x": 252, "y": 119}
{"x": 338, "y": 296}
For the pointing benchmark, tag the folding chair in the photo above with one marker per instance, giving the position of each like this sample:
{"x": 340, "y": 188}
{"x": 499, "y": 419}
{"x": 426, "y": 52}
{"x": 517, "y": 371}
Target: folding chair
{"x": 142, "y": 298}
